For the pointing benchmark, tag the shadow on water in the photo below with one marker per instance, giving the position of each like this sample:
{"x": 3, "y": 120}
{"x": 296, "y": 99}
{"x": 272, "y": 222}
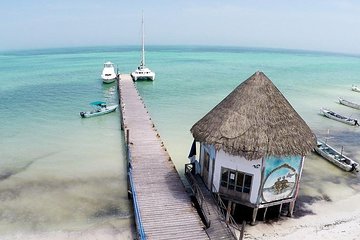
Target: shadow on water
{"x": 348, "y": 140}
{"x": 303, "y": 202}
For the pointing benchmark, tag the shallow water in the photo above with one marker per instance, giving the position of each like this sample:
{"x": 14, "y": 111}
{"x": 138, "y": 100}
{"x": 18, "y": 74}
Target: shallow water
{"x": 59, "y": 172}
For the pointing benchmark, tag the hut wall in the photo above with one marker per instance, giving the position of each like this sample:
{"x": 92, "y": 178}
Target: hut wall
{"x": 207, "y": 159}
{"x": 239, "y": 164}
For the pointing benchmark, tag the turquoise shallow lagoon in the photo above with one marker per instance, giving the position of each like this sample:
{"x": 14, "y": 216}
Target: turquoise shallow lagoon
{"x": 61, "y": 173}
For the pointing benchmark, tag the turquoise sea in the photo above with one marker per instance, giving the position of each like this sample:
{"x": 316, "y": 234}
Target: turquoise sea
{"x": 66, "y": 175}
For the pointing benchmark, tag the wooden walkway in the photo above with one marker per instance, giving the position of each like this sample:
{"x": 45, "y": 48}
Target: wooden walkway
{"x": 218, "y": 229}
{"x": 162, "y": 207}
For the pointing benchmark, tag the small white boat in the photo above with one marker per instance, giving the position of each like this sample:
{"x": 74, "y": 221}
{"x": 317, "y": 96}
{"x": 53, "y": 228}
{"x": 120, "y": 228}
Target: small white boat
{"x": 142, "y": 72}
{"x": 332, "y": 115}
{"x": 100, "y": 108}
{"x": 349, "y": 103}
{"x": 355, "y": 88}
{"x": 108, "y": 74}
{"x": 335, "y": 157}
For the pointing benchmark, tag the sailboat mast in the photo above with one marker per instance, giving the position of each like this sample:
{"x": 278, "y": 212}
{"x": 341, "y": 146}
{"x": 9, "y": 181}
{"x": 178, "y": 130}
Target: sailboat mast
{"x": 143, "y": 42}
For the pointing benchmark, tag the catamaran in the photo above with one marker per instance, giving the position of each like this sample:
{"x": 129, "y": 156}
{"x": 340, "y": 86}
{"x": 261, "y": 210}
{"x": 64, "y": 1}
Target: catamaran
{"x": 142, "y": 72}
{"x": 108, "y": 74}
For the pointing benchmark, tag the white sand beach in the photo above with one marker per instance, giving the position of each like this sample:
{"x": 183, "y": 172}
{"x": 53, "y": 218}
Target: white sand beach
{"x": 330, "y": 220}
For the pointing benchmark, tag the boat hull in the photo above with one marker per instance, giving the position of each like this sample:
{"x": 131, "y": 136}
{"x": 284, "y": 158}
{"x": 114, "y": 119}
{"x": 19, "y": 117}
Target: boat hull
{"x": 336, "y": 158}
{"x": 332, "y": 115}
{"x": 109, "y": 80}
{"x": 108, "y": 74}
{"x": 349, "y": 104}
{"x": 143, "y": 75}
{"x": 103, "y": 111}
{"x": 355, "y": 88}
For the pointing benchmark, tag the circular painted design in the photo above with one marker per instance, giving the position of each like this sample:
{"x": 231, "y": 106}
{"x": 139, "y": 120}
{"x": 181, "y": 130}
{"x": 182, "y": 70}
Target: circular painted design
{"x": 279, "y": 184}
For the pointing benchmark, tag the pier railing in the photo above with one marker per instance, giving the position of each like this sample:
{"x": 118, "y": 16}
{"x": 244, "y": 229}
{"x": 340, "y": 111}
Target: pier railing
{"x": 139, "y": 226}
{"x": 197, "y": 193}
{"x": 228, "y": 219}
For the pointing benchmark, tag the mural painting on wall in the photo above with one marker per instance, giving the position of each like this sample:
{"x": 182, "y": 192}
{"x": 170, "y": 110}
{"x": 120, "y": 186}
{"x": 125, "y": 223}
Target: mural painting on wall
{"x": 280, "y": 178}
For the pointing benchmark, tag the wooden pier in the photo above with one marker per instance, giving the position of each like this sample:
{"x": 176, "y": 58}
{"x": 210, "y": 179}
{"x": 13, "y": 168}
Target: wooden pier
{"x": 162, "y": 207}
{"x": 213, "y": 210}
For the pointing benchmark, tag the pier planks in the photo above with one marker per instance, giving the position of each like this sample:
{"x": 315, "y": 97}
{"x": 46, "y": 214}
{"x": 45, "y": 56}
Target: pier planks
{"x": 165, "y": 208}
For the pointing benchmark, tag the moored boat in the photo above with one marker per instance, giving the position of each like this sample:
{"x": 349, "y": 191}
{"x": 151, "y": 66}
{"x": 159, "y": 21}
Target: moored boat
{"x": 335, "y": 157}
{"x": 100, "y": 108}
{"x": 355, "y": 88}
{"x": 143, "y": 72}
{"x": 349, "y": 103}
{"x": 108, "y": 74}
{"x": 335, "y": 116}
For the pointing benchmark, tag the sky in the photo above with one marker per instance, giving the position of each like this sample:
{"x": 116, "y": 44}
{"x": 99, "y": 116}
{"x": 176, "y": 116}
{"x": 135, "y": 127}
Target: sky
{"x": 320, "y": 25}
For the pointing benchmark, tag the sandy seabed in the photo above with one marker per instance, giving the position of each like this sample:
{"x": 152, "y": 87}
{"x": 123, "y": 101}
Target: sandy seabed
{"x": 103, "y": 232}
{"x": 330, "y": 220}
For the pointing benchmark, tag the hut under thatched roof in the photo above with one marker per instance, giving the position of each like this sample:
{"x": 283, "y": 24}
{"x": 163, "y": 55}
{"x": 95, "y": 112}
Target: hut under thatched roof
{"x": 255, "y": 121}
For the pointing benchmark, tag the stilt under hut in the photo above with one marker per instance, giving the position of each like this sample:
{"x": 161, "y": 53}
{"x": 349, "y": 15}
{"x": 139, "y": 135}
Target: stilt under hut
{"x": 252, "y": 147}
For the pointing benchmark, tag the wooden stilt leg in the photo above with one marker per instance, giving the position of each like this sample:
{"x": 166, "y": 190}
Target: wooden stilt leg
{"x": 253, "y": 222}
{"x": 264, "y": 217}
{"x": 291, "y": 209}
{"x": 280, "y": 210}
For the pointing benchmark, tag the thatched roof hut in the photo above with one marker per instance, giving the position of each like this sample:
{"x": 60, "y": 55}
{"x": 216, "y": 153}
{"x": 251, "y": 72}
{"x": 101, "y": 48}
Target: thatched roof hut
{"x": 254, "y": 121}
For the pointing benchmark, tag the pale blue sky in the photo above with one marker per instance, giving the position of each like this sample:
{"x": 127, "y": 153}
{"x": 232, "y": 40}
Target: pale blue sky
{"x": 325, "y": 25}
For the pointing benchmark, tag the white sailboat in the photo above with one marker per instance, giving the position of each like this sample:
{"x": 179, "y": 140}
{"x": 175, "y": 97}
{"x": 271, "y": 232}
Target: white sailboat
{"x": 142, "y": 72}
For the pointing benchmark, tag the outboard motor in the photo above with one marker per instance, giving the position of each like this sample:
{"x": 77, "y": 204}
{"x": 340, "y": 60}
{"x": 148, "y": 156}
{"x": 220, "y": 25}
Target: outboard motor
{"x": 82, "y": 114}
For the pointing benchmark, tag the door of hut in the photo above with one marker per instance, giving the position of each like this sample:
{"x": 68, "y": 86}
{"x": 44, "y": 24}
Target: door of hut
{"x": 205, "y": 169}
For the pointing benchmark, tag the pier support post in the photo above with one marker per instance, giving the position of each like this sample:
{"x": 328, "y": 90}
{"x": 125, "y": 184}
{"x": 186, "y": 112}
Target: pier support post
{"x": 241, "y": 237}
{"x": 127, "y": 136}
{"x": 233, "y": 208}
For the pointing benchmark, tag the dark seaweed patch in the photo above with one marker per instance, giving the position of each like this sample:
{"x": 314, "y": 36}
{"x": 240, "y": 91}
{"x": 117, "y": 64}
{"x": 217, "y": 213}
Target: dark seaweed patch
{"x": 111, "y": 211}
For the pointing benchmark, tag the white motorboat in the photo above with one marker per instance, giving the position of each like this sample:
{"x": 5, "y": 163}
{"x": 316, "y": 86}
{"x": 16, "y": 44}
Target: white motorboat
{"x": 349, "y": 103}
{"x": 108, "y": 74}
{"x": 335, "y": 157}
{"x": 100, "y": 108}
{"x": 355, "y": 88}
{"x": 143, "y": 72}
{"x": 335, "y": 116}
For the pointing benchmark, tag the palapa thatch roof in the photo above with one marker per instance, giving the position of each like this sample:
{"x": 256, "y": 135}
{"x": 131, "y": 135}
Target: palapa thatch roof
{"x": 254, "y": 121}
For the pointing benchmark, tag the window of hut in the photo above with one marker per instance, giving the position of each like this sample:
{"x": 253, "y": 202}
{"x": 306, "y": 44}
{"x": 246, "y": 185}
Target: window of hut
{"x": 235, "y": 180}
